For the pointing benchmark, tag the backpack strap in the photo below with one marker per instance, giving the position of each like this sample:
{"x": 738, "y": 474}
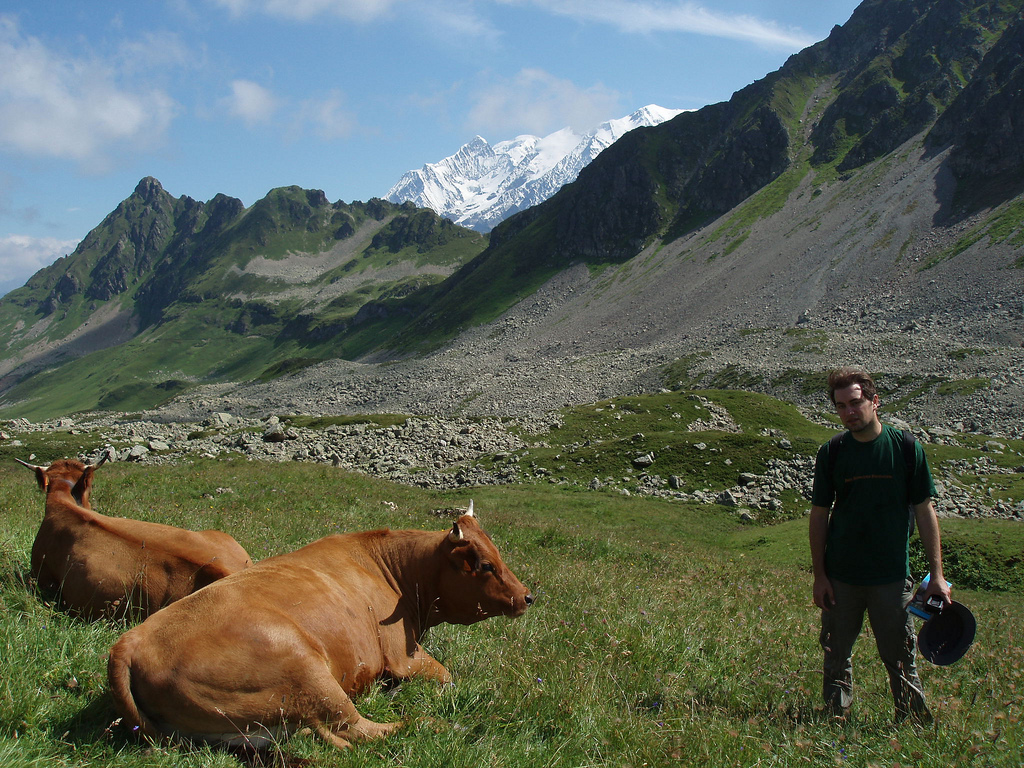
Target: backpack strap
{"x": 834, "y": 444}
{"x": 909, "y": 457}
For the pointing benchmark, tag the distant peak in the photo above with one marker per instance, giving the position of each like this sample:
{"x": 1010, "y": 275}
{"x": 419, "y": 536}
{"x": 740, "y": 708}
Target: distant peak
{"x": 148, "y": 188}
{"x": 482, "y": 184}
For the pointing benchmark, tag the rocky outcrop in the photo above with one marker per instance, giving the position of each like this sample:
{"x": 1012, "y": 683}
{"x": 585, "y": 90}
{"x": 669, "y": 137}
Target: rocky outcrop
{"x": 985, "y": 126}
{"x": 900, "y": 65}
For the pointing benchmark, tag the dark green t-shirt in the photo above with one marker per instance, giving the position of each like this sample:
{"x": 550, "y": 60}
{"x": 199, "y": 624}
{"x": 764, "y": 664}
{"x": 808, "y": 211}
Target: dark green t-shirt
{"x": 869, "y": 525}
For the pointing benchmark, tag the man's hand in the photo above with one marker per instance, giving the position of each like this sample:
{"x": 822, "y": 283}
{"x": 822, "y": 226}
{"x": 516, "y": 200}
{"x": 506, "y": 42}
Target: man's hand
{"x": 824, "y": 597}
{"x": 939, "y": 587}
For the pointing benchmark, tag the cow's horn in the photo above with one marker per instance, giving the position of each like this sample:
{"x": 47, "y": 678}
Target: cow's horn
{"x": 30, "y": 466}
{"x": 456, "y": 533}
{"x": 470, "y": 510}
{"x": 102, "y": 461}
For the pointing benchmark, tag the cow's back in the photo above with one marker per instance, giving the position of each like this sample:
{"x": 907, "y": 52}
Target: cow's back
{"x": 276, "y": 606}
{"x": 306, "y": 588}
{"x": 115, "y": 566}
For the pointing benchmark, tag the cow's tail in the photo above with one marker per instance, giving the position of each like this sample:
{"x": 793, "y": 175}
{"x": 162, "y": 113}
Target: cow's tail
{"x": 119, "y": 678}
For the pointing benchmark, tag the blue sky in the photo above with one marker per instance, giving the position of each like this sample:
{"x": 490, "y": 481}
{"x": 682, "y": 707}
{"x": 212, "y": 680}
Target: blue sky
{"x": 242, "y": 96}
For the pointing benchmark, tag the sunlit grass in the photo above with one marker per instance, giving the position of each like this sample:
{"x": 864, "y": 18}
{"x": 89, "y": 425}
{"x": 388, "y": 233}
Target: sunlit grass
{"x": 664, "y": 633}
{"x": 652, "y": 641}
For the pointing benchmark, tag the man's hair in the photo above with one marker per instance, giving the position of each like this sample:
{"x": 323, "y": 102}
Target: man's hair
{"x": 848, "y": 375}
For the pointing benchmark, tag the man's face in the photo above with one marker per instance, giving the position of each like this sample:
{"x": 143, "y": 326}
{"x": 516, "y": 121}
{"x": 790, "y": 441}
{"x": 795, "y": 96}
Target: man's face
{"x": 856, "y": 411}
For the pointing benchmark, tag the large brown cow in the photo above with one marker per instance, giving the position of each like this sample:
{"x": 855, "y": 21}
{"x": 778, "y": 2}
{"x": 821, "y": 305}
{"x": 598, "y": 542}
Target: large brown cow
{"x": 285, "y": 644}
{"x": 111, "y": 567}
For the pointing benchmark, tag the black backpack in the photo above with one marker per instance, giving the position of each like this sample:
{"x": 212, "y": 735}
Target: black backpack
{"x": 909, "y": 455}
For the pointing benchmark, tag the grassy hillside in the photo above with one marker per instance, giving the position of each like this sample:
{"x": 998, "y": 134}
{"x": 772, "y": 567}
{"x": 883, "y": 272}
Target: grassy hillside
{"x": 663, "y": 633}
{"x": 166, "y": 293}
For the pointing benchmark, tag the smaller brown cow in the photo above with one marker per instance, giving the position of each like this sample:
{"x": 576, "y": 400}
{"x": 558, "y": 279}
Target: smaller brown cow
{"x": 285, "y": 644}
{"x": 112, "y": 567}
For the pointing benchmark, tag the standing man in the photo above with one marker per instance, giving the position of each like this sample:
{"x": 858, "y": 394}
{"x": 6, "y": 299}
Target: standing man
{"x": 860, "y": 530}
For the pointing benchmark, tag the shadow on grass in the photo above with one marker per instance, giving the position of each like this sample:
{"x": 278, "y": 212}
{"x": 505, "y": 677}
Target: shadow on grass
{"x": 98, "y": 721}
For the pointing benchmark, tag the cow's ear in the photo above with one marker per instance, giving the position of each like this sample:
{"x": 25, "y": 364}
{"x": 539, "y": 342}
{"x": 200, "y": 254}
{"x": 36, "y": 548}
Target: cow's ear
{"x": 465, "y": 559}
{"x": 463, "y": 554}
{"x": 83, "y": 488}
{"x": 456, "y": 535}
{"x": 40, "y": 473}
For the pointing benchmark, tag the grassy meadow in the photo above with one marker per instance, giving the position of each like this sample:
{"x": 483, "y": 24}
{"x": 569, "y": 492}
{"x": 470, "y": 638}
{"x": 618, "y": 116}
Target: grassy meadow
{"x": 663, "y": 633}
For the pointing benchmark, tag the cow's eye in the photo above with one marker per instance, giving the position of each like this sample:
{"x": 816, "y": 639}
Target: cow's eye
{"x": 486, "y": 568}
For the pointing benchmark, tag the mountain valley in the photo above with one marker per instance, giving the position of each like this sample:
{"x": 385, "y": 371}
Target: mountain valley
{"x": 826, "y": 214}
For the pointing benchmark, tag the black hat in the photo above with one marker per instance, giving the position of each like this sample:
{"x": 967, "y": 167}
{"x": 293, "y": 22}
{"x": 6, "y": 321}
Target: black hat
{"x": 946, "y": 637}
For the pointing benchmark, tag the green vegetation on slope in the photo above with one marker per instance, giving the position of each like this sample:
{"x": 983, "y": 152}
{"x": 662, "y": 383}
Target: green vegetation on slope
{"x": 196, "y": 301}
{"x": 1005, "y": 224}
{"x": 140, "y": 374}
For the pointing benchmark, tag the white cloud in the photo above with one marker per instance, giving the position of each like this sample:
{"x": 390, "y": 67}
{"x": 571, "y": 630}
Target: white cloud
{"x": 647, "y": 16}
{"x": 323, "y": 117}
{"x": 326, "y": 117}
{"x": 306, "y": 10}
{"x": 157, "y": 50}
{"x": 630, "y": 16}
{"x": 21, "y": 256}
{"x": 251, "y": 102}
{"x": 539, "y": 103}
{"x": 453, "y": 24}
{"x": 53, "y": 105}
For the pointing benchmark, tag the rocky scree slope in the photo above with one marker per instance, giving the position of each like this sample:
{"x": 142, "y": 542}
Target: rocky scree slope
{"x": 826, "y": 182}
{"x": 784, "y": 306}
{"x": 446, "y": 453}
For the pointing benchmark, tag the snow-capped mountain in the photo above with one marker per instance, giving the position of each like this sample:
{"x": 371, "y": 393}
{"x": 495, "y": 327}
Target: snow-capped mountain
{"x": 481, "y": 185}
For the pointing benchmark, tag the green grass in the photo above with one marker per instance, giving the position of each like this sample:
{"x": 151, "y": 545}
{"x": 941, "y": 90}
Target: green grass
{"x": 141, "y": 373}
{"x": 804, "y": 382}
{"x": 963, "y": 387}
{"x": 676, "y": 375}
{"x": 663, "y": 633}
{"x": 964, "y": 353}
{"x": 763, "y": 204}
{"x": 601, "y": 440}
{"x": 811, "y": 341}
{"x": 734, "y": 376}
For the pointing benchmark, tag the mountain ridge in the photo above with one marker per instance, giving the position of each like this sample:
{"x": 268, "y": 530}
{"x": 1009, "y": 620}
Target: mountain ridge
{"x": 169, "y": 291}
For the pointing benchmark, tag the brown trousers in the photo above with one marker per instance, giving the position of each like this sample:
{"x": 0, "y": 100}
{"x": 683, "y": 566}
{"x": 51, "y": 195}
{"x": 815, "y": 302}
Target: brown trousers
{"x": 893, "y": 628}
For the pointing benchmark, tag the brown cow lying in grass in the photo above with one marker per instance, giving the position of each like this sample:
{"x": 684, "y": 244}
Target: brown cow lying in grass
{"x": 112, "y": 567}
{"x": 285, "y": 644}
